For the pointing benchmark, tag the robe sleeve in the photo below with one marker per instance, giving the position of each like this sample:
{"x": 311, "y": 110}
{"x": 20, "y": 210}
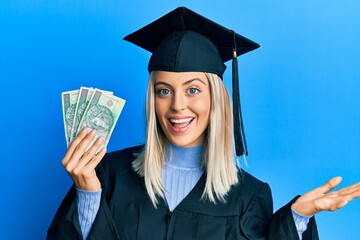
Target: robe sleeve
{"x": 65, "y": 225}
{"x": 283, "y": 225}
{"x": 254, "y": 223}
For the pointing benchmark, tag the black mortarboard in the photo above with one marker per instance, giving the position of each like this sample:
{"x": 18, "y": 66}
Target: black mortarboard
{"x": 184, "y": 41}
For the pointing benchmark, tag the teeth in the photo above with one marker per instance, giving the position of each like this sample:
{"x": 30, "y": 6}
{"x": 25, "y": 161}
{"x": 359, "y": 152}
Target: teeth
{"x": 183, "y": 120}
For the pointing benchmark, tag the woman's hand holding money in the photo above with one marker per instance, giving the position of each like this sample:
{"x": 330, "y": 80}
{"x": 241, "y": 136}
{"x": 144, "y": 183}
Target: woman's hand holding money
{"x": 80, "y": 160}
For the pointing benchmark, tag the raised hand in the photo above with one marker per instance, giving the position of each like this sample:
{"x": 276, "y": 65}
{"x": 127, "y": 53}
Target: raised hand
{"x": 80, "y": 160}
{"x": 320, "y": 199}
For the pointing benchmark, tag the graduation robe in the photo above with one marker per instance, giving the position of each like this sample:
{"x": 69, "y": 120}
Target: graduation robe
{"x": 127, "y": 213}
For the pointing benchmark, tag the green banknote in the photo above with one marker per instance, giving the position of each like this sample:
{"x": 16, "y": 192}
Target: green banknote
{"x": 85, "y": 95}
{"x": 101, "y": 114}
{"x": 83, "y": 100}
{"x": 69, "y": 101}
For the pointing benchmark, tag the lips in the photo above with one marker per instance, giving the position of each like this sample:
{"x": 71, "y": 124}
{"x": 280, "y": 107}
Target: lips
{"x": 179, "y": 125}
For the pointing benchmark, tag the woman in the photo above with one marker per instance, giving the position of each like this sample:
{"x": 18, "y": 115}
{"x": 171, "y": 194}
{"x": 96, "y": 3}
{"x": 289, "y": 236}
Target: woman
{"x": 183, "y": 183}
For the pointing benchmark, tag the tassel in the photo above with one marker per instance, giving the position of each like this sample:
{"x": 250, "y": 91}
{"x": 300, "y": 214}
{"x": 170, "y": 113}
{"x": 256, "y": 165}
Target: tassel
{"x": 239, "y": 133}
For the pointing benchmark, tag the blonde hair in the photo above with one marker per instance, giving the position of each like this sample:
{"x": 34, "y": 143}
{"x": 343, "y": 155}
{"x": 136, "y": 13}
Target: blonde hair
{"x": 218, "y": 159}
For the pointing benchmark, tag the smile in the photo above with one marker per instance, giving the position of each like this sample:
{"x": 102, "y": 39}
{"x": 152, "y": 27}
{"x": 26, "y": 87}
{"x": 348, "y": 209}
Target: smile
{"x": 179, "y": 125}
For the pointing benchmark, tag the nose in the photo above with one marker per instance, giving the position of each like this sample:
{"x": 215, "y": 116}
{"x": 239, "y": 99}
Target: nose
{"x": 178, "y": 102}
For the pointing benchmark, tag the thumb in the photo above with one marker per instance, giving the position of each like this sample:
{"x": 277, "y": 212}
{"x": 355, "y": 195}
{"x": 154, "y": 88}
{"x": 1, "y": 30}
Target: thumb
{"x": 331, "y": 184}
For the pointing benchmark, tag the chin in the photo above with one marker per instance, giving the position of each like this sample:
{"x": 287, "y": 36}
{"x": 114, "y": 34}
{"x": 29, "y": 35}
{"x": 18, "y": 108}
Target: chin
{"x": 185, "y": 142}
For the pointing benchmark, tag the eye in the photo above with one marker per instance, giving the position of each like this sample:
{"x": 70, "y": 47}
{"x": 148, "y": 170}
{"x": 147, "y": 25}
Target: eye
{"x": 163, "y": 92}
{"x": 193, "y": 91}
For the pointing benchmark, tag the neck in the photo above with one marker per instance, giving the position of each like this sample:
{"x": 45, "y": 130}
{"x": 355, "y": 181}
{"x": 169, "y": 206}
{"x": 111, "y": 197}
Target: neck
{"x": 184, "y": 157}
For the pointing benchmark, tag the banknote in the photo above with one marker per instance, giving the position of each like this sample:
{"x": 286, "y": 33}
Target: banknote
{"x": 69, "y": 101}
{"x": 84, "y": 97}
{"x": 101, "y": 114}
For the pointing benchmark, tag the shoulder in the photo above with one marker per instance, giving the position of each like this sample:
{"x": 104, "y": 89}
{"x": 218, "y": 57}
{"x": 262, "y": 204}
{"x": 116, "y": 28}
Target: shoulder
{"x": 120, "y": 160}
{"x": 250, "y": 187}
{"x": 248, "y": 181}
{"x": 130, "y": 152}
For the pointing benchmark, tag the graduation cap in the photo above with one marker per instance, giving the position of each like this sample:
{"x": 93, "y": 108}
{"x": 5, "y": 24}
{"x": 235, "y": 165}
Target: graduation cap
{"x": 184, "y": 41}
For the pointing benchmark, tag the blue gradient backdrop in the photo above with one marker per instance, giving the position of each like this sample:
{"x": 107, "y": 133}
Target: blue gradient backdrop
{"x": 300, "y": 95}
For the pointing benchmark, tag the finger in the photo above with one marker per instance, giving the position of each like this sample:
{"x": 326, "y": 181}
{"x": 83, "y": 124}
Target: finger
{"x": 83, "y": 133}
{"x": 95, "y": 160}
{"x": 334, "y": 201}
{"x": 91, "y": 153}
{"x": 73, "y": 162}
{"x": 79, "y": 138}
{"x": 350, "y": 192}
{"x": 354, "y": 194}
{"x": 83, "y": 145}
{"x": 85, "y": 177}
{"x": 331, "y": 184}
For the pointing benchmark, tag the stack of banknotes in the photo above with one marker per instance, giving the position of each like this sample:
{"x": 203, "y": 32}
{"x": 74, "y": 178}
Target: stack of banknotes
{"x": 90, "y": 108}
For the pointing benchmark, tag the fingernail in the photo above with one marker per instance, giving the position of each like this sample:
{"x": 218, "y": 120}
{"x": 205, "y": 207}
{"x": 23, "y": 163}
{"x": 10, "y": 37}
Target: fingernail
{"x": 93, "y": 132}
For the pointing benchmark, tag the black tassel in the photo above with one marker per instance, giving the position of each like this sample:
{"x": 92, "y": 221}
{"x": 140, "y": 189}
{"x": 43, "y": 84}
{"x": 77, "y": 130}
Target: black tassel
{"x": 239, "y": 133}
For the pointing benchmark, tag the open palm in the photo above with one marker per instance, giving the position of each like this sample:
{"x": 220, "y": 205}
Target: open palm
{"x": 321, "y": 199}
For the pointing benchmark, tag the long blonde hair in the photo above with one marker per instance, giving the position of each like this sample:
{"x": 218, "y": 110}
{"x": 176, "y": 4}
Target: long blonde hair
{"x": 218, "y": 159}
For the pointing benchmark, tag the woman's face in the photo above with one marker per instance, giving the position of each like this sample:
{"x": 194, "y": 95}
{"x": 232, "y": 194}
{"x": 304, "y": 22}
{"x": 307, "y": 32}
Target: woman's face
{"x": 182, "y": 106}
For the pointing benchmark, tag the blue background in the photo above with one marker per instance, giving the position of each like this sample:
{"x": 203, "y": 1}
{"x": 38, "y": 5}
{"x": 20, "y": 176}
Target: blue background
{"x": 300, "y": 94}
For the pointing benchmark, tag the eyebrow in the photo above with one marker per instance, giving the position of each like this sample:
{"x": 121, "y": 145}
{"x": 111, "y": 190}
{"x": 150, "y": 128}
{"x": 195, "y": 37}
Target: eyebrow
{"x": 185, "y": 83}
